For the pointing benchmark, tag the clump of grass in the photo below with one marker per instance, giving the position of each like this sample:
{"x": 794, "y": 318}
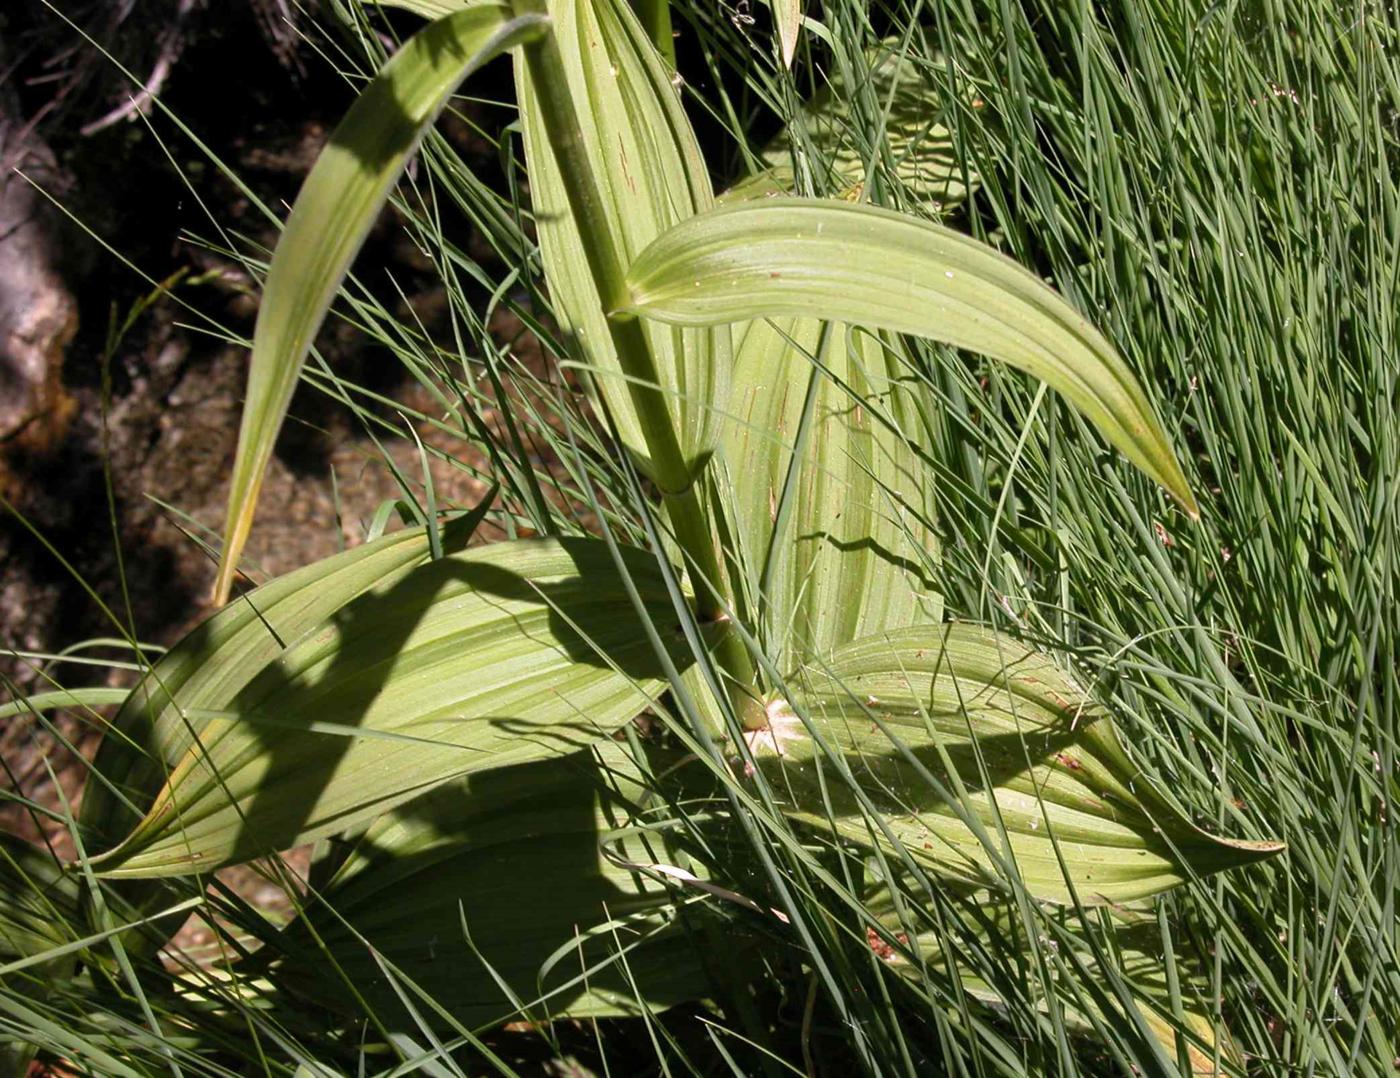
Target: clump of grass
{"x": 1218, "y": 188}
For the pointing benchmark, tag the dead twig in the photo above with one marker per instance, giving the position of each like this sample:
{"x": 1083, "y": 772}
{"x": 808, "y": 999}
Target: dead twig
{"x": 172, "y": 44}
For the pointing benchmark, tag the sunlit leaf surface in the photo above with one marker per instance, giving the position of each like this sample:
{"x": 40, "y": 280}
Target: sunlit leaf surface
{"x": 338, "y": 204}
{"x": 872, "y": 267}
{"x": 977, "y": 755}
{"x": 840, "y": 545}
{"x": 283, "y": 726}
{"x": 645, "y": 159}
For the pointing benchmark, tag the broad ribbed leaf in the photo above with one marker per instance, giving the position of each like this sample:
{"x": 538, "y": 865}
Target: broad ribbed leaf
{"x": 485, "y": 657}
{"x": 872, "y": 267}
{"x": 1135, "y": 950}
{"x": 333, "y": 214}
{"x": 148, "y": 736}
{"x": 503, "y": 875}
{"x": 650, "y": 175}
{"x": 954, "y": 733}
{"x": 852, "y": 553}
{"x": 857, "y": 544}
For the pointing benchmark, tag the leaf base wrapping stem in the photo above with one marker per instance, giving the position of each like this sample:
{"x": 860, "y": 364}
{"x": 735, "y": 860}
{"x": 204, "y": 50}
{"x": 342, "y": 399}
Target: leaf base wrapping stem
{"x": 689, "y": 521}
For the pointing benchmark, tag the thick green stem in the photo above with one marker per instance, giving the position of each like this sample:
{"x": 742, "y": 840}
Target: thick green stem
{"x": 670, "y": 469}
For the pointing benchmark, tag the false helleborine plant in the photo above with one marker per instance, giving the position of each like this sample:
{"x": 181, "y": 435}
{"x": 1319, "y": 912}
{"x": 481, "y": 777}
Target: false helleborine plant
{"x": 446, "y": 719}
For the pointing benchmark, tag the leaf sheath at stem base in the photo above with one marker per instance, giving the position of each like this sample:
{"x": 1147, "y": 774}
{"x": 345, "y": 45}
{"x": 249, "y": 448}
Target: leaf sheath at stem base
{"x": 691, "y": 526}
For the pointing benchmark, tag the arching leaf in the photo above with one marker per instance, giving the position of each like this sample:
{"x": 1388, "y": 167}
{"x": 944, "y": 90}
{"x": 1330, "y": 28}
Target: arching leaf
{"x": 147, "y": 737}
{"x": 871, "y": 267}
{"x": 857, "y": 541}
{"x": 56, "y": 699}
{"x": 429, "y": 9}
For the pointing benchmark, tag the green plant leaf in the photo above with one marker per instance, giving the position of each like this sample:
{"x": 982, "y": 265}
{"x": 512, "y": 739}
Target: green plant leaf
{"x": 955, "y": 733}
{"x": 147, "y": 737}
{"x": 1135, "y": 950}
{"x": 333, "y": 214}
{"x": 873, "y": 267}
{"x": 67, "y": 699}
{"x": 429, "y": 9}
{"x": 523, "y": 875}
{"x": 38, "y": 902}
{"x": 650, "y": 175}
{"x": 822, "y": 135}
{"x": 851, "y": 552}
{"x": 857, "y": 543}
{"x": 485, "y": 657}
